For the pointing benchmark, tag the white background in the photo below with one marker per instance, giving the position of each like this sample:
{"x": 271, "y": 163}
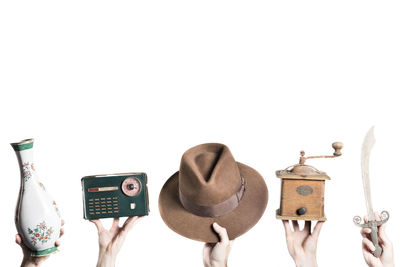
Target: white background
{"x": 119, "y": 86}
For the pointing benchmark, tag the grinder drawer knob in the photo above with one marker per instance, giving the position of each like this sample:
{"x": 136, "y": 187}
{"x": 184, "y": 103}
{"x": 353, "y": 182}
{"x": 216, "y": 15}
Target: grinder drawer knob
{"x": 301, "y": 211}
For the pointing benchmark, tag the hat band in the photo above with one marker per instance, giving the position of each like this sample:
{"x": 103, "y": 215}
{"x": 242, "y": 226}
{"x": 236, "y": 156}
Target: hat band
{"x": 214, "y": 210}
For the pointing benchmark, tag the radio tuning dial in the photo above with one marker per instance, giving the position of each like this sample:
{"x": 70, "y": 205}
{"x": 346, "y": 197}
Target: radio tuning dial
{"x": 131, "y": 186}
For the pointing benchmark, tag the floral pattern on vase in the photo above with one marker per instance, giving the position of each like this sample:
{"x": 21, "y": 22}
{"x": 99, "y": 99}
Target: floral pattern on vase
{"x": 41, "y": 233}
{"x": 27, "y": 169}
{"x": 42, "y": 186}
{"x": 56, "y": 208}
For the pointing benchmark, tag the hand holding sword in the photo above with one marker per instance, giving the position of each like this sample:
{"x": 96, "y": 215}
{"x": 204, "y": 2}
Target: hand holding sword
{"x": 386, "y": 258}
{"x": 371, "y": 222}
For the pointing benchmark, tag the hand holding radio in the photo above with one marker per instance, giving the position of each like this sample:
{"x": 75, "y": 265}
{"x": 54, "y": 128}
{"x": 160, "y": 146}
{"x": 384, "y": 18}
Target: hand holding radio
{"x": 111, "y": 241}
{"x": 29, "y": 260}
{"x": 302, "y": 244}
{"x": 114, "y": 196}
{"x": 386, "y": 258}
{"x": 216, "y": 254}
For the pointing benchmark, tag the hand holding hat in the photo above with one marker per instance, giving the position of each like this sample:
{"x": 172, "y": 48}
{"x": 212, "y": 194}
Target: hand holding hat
{"x": 216, "y": 254}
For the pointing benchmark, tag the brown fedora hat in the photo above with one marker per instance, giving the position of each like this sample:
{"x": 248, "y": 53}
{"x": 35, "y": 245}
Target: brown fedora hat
{"x": 211, "y": 186}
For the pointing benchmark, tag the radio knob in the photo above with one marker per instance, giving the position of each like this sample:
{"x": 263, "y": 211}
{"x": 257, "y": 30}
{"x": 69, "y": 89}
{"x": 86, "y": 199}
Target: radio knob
{"x": 131, "y": 186}
{"x": 301, "y": 211}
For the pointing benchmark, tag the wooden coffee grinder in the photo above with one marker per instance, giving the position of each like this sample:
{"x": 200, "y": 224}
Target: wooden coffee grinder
{"x": 302, "y": 189}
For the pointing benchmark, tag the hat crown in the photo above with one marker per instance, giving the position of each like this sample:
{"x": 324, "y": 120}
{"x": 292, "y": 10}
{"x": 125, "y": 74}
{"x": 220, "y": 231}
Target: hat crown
{"x": 208, "y": 174}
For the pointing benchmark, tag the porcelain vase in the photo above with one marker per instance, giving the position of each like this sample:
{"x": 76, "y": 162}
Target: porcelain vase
{"x": 37, "y": 217}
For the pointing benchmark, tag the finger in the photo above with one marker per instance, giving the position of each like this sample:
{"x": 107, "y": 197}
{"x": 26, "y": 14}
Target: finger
{"x": 18, "y": 239}
{"x": 98, "y": 224}
{"x": 367, "y": 254}
{"x": 365, "y": 232}
{"x": 207, "y": 248}
{"x": 383, "y": 236}
{"x": 209, "y": 245}
{"x": 381, "y": 230}
{"x": 368, "y": 244}
{"x": 366, "y": 219}
{"x": 206, "y": 253}
{"x": 126, "y": 227}
{"x": 130, "y": 222}
{"x": 222, "y": 233}
{"x": 61, "y": 232}
{"x": 295, "y": 226}
{"x": 286, "y": 225}
{"x": 62, "y": 222}
{"x": 57, "y": 243}
{"x": 307, "y": 227}
{"x": 317, "y": 229}
{"x": 115, "y": 224}
{"x": 377, "y": 216}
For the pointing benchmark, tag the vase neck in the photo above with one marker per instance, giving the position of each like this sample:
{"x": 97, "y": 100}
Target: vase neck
{"x": 24, "y": 152}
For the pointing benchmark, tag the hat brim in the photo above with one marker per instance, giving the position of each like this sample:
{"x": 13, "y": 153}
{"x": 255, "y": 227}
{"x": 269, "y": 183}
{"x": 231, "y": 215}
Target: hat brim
{"x": 236, "y": 222}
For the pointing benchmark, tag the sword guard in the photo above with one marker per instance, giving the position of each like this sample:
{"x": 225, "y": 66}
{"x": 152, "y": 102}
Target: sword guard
{"x": 384, "y": 218}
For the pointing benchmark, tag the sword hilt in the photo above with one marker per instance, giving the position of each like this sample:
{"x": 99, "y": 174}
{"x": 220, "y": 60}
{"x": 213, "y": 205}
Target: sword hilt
{"x": 373, "y": 225}
{"x": 374, "y": 237}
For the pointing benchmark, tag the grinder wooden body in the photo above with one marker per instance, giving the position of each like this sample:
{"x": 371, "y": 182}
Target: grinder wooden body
{"x": 302, "y": 196}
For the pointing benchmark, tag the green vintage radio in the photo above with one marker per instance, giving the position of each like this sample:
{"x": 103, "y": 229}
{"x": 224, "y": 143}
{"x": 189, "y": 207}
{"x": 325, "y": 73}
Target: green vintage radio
{"x": 115, "y": 195}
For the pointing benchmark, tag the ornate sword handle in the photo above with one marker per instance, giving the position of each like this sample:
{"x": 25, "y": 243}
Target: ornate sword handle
{"x": 373, "y": 225}
{"x": 374, "y": 237}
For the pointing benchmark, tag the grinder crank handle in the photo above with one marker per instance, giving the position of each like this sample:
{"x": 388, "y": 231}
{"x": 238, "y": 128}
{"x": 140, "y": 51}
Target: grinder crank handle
{"x": 374, "y": 237}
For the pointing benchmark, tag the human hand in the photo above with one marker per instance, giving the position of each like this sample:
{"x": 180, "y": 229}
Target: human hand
{"x": 216, "y": 254}
{"x": 302, "y": 245}
{"x": 30, "y": 261}
{"x": 386, "y": 259}
{"x": 111, "y": 241}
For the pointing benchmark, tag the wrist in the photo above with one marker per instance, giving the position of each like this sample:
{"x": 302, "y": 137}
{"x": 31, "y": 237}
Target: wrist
{"x": 105, "y": 262}
{"x": 106, "y": 259}
{"x": 307, "y": 263}
{"x": 218, "y": 264}
{"x": 29, "y": 263}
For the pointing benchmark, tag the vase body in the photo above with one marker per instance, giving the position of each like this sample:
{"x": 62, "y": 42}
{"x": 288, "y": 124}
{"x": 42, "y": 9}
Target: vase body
{"x": 37, "y": 217}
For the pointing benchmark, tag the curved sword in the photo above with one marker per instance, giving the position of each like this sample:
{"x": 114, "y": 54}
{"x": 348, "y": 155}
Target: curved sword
{"x": 368, "y": 144}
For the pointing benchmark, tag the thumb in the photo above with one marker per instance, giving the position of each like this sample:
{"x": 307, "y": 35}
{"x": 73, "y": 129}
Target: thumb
{"x": 222, "y": 233}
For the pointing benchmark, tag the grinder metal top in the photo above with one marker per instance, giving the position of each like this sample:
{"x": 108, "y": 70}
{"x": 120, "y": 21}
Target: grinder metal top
{"x": 303, "y": 171}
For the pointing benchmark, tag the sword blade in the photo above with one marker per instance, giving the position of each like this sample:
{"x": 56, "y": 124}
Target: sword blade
{"x": 368, "y": 144}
